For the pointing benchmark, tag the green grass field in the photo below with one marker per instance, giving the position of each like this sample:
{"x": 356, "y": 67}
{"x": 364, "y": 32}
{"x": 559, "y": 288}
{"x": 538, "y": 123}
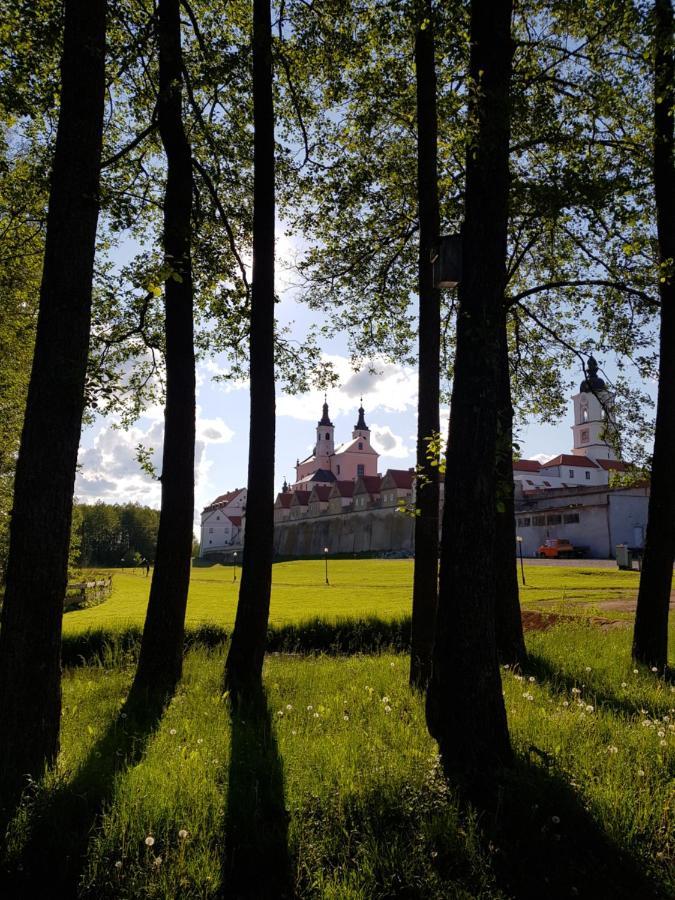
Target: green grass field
{"x": 328, "y": 785}
{"x": 358, "y": 588}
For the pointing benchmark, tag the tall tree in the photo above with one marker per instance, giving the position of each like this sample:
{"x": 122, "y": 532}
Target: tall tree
{"x": 465, "y": 706}
{"x": 30, "y": 635}
{"x": 650, "y": 637}
{"x": 247, "y": 649}
{"x": 161, "y": 657}
{"x": 425, "y": 573}
{"x": 508, "y": 621}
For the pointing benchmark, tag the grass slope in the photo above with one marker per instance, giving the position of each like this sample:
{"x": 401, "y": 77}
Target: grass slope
{"x": 329, "y": 786}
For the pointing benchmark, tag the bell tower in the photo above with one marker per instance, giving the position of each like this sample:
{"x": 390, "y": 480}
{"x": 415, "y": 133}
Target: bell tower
{"x": 592, "y": 405}
{"x": 361, "y": 430}
{"x": 325, "y": 437}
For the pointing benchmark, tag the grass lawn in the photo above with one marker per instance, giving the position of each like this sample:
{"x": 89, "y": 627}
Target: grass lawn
{"x": 329, "y": 786}
{"x": 358, "y": 588}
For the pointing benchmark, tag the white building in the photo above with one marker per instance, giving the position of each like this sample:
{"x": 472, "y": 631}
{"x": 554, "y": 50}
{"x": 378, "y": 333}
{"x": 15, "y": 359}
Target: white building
{"x": 222, "y": 523}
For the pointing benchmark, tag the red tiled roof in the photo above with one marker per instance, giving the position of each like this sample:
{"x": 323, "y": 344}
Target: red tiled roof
{"x": 371, "y": 483}
{"x": 526, "y": 465}
{"x": 321, "y": 492}
{"x": 236, "y": 520}
{"x": 612, "y": 464}
{"x": 224, "y": 499}
{"x": 402, "y": 478}
{"x": 284, "y": 499}
{"x": 569, "y": 459}
{"x": 302, "y": 497}
{"x": 345, "y": 488}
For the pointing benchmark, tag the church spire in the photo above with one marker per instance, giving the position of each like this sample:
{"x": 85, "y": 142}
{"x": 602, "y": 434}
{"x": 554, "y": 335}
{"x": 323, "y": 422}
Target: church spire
{"x": 325, "y": 420}
{"x": 361, "y": 424}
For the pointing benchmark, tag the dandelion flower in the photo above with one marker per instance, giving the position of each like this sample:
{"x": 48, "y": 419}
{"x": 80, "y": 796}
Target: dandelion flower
{"x": 589, "y": 708}
{"x": 654, "y": 669}
{"x": 588, "y": 668}
{"x": 641, "y": 772}
{"x": 310, "y": 708}
{"x": 182, "y": 834}
{"x": 531, "y": 678}
{"x": 663, "y": 743}
{"x": 662, "y": 734}
{"x": 624, "y": 684}
{"x": 316, "y": 715}
{"x": 387, "y": 709}
{"x": 555, "y": 820}
{"x": 289, "y": 707}
{"x": 346, "y": 718}
{"x": 565, "y": 703}
{"x": 280, "y": 713}
{"x": 149, "y": 841}
{"x": 612, "y": 749}
{"x": 635, "y": 671}
{"x": 172, "y": 731}
{"x": 157, "y": 862}
{"x": 118, "y": 864}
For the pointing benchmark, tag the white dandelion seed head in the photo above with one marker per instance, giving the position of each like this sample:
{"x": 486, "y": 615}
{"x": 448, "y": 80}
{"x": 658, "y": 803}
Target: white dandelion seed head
{"x": 149, "y": 841}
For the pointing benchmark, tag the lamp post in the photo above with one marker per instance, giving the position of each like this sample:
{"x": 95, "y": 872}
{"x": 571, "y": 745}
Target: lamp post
{"x": 234, "y": 566}
{"x": 519, "y": 541}
{"x": 325, "y": 556}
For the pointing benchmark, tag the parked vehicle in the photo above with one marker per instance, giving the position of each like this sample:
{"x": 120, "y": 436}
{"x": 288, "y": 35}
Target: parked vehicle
{"x": 560, "y": 548}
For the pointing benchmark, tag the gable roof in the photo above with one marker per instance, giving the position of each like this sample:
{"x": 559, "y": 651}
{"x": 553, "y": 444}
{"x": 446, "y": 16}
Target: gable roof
{"x": 300, "y": 498}
{"x": 320, "y": 492}
{"x": 616, "y": 465}
{"x": 571, "y": 460}
{"x": 371, "y": 484}
{"x": 348, "y": 446}
{"x": 318, "y": 475}
{"x": 402, "y": 478}
{"x": 526, "y": 465}
{"x": 224, "y": 499}
{"x": 236, "y": 520}
{"x": 343, "y": 489}
{"x": 284, "y": 499}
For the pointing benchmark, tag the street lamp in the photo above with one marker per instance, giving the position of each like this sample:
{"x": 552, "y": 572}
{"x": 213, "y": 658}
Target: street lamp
{"x": 234, "y": 566}
{"x": 519, "y": 541}
{"x": 325, "y": 556}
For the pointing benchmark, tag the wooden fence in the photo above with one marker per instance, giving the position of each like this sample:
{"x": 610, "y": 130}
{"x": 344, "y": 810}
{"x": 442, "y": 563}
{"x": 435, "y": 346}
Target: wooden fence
{"x": 88, "y": 593}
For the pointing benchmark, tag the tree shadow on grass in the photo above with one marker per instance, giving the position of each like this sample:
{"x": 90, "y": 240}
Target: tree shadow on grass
{"x": 561, "y": 682}
{"x": 256, "y": 863}
{"x": 545, "y": 844}
{"x": 55, "y": 827}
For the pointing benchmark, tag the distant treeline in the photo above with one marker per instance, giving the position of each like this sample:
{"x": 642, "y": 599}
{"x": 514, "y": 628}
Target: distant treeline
{"x": 109, "y": 534}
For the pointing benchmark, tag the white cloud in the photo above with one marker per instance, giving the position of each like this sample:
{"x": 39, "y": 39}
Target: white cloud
{"x": 543, "y": 457}
{"x": 109, "y": 468}
{"x": 383, "y": 386}
{"x": 387, "y": 443}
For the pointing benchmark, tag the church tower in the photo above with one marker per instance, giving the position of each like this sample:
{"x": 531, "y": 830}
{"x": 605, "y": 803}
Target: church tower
{"x": 325, "y": 437}
{"x": 591, "y": 406}
{"x": 361, "y": 430}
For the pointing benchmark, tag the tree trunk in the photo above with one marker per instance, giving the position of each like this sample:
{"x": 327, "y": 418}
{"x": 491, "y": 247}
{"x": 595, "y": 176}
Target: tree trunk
{"x": 247, "y": 649}
{"x": 650, "y": 638}
{"x": 425, "y": 575}
{"x": 37, "y": 569}
{"x": 509, "y": 626}
{"x": 161, "y": 657}
{"x": 465, "y": 706}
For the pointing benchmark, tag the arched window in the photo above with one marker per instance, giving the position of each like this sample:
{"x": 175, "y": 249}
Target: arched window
{"x": 584, "y": 414}
{"x": 360, "y": 446}
{"x": 327, "y": 436}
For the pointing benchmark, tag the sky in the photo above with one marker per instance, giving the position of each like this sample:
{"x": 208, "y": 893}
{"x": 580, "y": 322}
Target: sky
{"x": 109, "y": 469}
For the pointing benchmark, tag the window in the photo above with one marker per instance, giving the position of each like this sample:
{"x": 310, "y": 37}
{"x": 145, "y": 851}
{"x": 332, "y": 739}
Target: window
{"x": 210, "y": 530}
{"x": 218, "y": 518}
{"x": 539, "y": 520}
{"x": 584, "y": 414}
{"x": 571, "y": 519}
{"x": 360, "y": 470}
{"x": 360, "y": 446}
{"x": 584, "y": 436}
{"x": 571, "y": 471}
{"x": 588, "y": 476}
{"x": 338, "y": 469}
{"x": 524, "y": 523}
{"x": 553, "y": 520}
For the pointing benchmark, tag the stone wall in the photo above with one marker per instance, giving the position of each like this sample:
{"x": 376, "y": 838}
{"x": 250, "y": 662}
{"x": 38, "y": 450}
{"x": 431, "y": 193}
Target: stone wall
{"x": 367, "y": 531}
